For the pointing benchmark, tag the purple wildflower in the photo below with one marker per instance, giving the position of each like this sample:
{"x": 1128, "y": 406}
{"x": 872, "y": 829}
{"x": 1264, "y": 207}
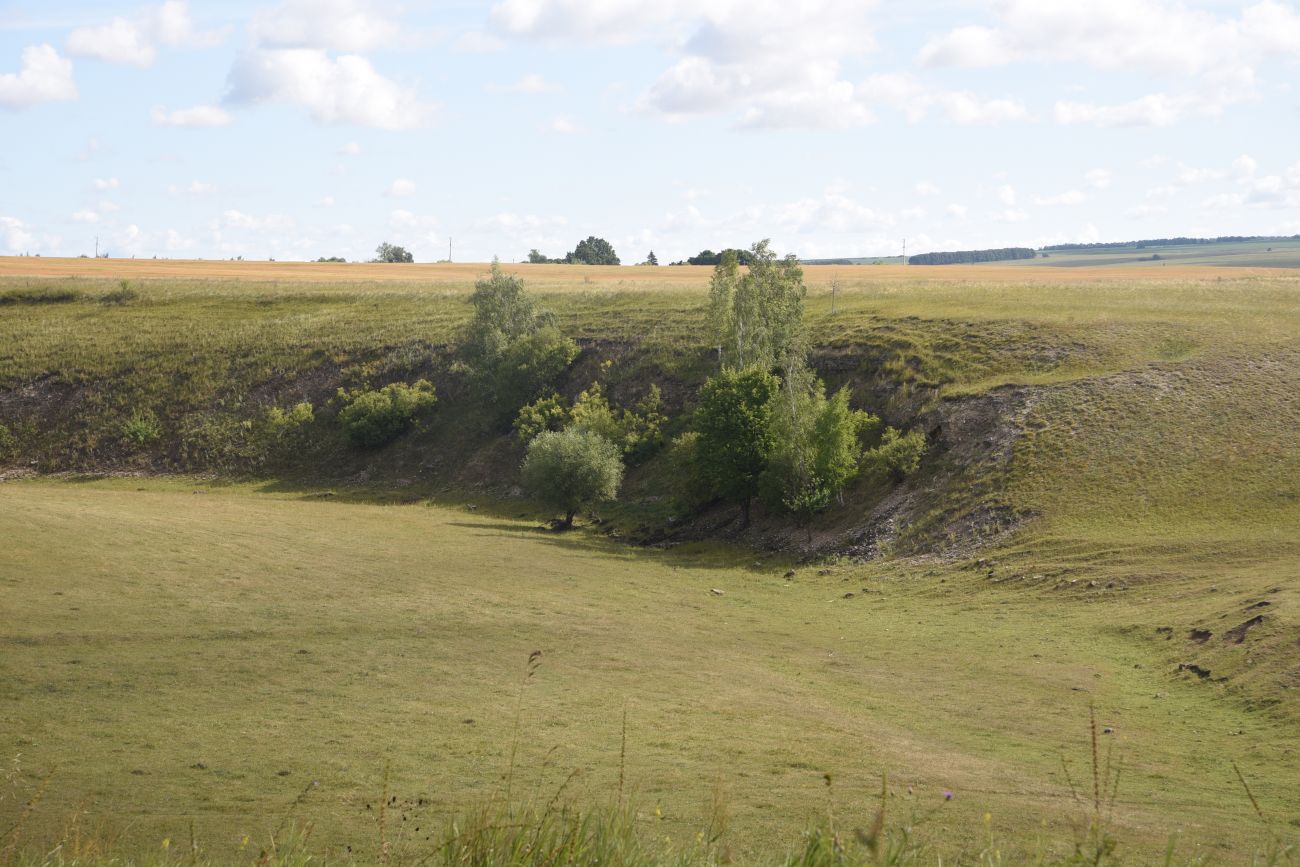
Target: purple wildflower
{"x": 947, "y": 794}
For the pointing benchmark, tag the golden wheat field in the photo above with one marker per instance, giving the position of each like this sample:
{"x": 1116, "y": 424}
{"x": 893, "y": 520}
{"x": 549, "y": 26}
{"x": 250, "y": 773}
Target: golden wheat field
{"x": 583, "y": 275}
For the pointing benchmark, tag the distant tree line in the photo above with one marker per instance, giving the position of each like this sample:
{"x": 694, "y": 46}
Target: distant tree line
{"x": 712, "y": 259}
{"x": 963, "y": 257}
{"x": 1173, "y": 242}
{"x": 592, "y": 251}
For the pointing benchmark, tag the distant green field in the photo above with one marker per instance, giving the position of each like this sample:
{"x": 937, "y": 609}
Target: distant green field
{"x": 1257, "y": 254}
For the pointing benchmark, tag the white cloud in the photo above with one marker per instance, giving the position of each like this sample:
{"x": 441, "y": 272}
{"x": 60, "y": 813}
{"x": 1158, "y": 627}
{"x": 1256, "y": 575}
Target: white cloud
{"x": 1159, "y": 36}
{"x": 351, "y": 149}
{"x": 584, "y": 20}
{"x": 1214, "y": 53}
{"x": 967, "y": 109}
{"x": 400, "y": 188}
{"x": 236, "y": 219}
{"x": 1143, "y": 212}
{"x": 562, "y": 124}
{"x": 926, "y": 188}
{"x": 86, "y": 216}
{"x": 195, "y": 116}
{"x": 346, "y": 89}
{"x": 530, "y": 83}
{"x": 193, "y": 188}
{"x": 326, "y": 202}
{"x": 511, "y": 222}
{"x": 915, "y": 100}
{"x": 957, "y": 211}
{"x": 912, "y": 214}
{"x": 333, "y": 25}
{"x": 1272, "y": 26}
{"x": 175, "y": 242}
{"x": 1098, "y": 179}
{"x": 478, "y": 42}
{"x": 1154, "y": 109}
{"x": 1190, "y": 176}
{"x": 1011, "y": 215}
{"x": 1223, "y": 201}
{"x": 1244, "y": 166}
{"x": 107, "y": 183}
{"x": 17, "y": 235}
{"x": 135, "y": 41}
{"x": 107, "y": 207}
{"x": 771, "y": 63}
{"x": 967, "y": 46}
{"x": 1007, "y": 195}
{"x": 1069, "y": 197}
{"x": 119, "y": 41}
{"x": 406, "y": 221}
{"x": 44, "y": 77}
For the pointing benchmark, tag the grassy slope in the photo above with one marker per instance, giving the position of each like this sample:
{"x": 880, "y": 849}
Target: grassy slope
{"x": 155, "y": 629}
{"x": 1161, "y": 464}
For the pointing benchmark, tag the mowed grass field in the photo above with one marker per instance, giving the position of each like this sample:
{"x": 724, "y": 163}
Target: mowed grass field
{"x": 181, "y": 651}
{"x": 177, "y": 655}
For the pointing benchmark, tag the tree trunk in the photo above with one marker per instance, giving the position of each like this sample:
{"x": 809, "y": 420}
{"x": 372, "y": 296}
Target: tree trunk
{"x": 744, "y": 513}
{"x": 567, "y": 523}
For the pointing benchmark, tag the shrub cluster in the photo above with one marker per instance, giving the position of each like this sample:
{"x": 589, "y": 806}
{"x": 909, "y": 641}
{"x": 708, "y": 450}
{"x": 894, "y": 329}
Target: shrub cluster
{"x": 372, "y": 418}
{"x": 636, "y": 432}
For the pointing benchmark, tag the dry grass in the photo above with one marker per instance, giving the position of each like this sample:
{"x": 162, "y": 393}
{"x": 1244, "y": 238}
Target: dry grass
{"x": 546, "y": 276}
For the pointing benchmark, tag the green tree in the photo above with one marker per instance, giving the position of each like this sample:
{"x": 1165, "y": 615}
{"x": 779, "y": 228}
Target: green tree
{"x": 536, "y": 257}
{"x": 387, "y": 252}
{"x": 817, "y": 447}
{"x": 593, "y": 251}
{"x": 503, "y": 313}
{"x": 513, "y": 351}
{"x": 734, "y": 423}
{"x": 572, "y": 468}
{"x": 526, "y": 368}
{"x": 652, "y": 259}
{"x": 757, "y": 317}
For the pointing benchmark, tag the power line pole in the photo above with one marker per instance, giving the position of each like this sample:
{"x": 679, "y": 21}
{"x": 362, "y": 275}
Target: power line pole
{"x": 904, "y": 251}
{"x": 449, "y": 248}
{"x": 96, "y": 246}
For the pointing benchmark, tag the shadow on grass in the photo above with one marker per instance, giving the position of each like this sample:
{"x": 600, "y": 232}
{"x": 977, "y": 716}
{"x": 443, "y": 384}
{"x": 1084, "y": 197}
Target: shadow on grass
{"x": 519, "y": 519}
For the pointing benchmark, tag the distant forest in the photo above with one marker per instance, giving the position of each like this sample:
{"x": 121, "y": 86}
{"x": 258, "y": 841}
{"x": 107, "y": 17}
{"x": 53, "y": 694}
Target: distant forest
{"x": 1173, "y": 242}
{"x": 962, "y": 257}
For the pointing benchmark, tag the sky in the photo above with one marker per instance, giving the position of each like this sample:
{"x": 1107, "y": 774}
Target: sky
{"x": 305, "y": 128}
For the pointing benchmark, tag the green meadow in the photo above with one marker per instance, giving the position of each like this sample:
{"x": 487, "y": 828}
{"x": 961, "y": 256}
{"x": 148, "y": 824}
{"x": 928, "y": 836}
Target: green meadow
{"x": 201, "y": 653}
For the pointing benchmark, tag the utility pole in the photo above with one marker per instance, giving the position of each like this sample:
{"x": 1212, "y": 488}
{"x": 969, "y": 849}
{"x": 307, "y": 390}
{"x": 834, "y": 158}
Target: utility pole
{"x": 904, "y": 251}
{"x": 449, "y": 248}
{"x": 96, "y": 246}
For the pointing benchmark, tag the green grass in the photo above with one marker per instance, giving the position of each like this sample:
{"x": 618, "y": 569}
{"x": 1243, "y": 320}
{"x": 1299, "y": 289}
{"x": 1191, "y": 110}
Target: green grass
{"x": 256, "y": 628}
{"x": 173, "y": 657}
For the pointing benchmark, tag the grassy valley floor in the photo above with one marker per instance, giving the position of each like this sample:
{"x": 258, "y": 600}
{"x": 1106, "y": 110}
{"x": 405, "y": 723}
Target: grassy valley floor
{"x": 180, "y": 653}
